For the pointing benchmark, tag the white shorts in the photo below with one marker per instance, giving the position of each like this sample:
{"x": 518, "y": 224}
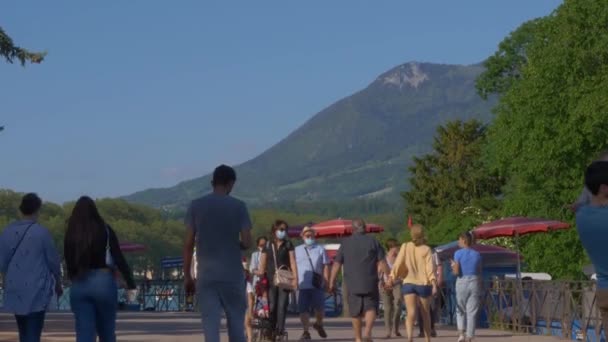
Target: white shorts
{"x": 249, "y": 288}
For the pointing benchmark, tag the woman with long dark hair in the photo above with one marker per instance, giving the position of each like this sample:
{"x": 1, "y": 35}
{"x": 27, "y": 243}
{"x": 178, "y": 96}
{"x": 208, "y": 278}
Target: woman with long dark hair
{"x": 281, "y": 250}
{"x": 92, "y": 254}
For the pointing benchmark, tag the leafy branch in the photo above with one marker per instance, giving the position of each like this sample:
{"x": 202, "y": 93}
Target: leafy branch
{"x": 11, "y": 52}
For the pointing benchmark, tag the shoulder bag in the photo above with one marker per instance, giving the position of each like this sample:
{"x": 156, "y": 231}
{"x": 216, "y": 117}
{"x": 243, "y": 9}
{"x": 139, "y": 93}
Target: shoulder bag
{"x": 283, "y": 277}
{"x": 317, "y": 279}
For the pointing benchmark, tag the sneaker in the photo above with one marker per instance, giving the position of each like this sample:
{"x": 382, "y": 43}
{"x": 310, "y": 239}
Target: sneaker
{"x": 320, "y": 330}
{"x": 305, "y": 336}
{"x": 461, "y": 338}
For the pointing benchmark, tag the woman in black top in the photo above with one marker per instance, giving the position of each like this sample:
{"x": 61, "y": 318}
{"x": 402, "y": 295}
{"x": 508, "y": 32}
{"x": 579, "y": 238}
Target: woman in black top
{"x": 281, "y": 249}
{"x": 92, "y": 254}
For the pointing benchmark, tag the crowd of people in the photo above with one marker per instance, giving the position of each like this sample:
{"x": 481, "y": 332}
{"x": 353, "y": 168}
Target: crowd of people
{"x": 397, "y": 275}
{"x": 259, "y": 288}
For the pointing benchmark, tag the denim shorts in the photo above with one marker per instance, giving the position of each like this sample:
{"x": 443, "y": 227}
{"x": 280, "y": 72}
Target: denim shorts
{"x": 422, "y": 291}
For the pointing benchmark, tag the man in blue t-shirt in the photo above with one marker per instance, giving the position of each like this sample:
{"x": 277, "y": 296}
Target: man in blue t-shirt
{"x": 220, "y": 226}
{"x": 592, "y": 225}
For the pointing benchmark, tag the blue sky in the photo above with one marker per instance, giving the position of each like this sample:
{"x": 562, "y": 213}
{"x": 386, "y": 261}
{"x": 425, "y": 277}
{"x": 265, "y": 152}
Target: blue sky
{"x": 144, "y": 93}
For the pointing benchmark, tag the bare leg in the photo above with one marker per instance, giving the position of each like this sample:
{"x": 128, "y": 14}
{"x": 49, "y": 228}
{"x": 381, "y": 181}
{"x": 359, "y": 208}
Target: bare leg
{"x": 319, "y": 316}
{"x": 370, "y": 318}
{"x": 305, "y": 319}
{"x": 248, "y": 328}
{"x": 357, "y": 328}
{"x": 410, "y": 305}
{"x": 425, "y": 311}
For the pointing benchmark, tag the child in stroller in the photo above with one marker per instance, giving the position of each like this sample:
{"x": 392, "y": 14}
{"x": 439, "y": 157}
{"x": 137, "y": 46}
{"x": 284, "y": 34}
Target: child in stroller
{"x": 260, "y": 322}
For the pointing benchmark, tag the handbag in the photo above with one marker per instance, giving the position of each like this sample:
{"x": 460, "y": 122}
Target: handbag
{"x": 18, "y": 244}
{"x": 317, "y": 279}
{"x": 283, "y": 277}
{"x": 400, "y": 267}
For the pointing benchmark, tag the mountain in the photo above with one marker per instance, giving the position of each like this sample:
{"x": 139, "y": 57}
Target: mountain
{"x": 357, "y": 148}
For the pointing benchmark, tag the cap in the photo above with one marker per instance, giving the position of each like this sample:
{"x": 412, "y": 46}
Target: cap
{"x": 308, "y": 229}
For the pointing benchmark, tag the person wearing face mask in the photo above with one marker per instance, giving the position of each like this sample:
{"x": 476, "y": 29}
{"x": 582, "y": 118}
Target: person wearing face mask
{"x": 279, "y": 254}
{"x": 313, "y": 273}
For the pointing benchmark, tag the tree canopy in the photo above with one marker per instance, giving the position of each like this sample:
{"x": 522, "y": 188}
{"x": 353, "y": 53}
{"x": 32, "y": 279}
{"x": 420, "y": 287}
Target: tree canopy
{"x": 451, "y": 178}
{"x": 12, "y": 52}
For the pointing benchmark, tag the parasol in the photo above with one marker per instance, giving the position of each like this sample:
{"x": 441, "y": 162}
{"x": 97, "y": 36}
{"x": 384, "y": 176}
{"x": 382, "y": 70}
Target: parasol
{"x": 340, "y": 228}
{"x": 488, "y": 252}
{"x": 516, "y": 227}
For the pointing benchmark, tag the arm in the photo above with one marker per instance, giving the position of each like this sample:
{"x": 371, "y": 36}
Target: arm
{"x": 430, "y": 268}
{"x": 245, "y": 228}
{"x": 399, "y": 267}
{"x": 188, "y": 252}
{"x": 263, "y": 263}
{"x": 189, "y": 241}
{"x": 294, "y": 266}
{"x": 3, "y": 252}
{"x": 455, "y": 263}
{"x": 52, "y": 257}
{"x": 252, "y": 263}
{"x": 383, "y": 267}
{"x": 325, "y": 259}
{"x": 338, "y": 262}
{"x": 120, "y": 260}
{"x": 334, "y": 273}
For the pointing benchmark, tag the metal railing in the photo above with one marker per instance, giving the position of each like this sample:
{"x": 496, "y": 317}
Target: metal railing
{"x": 163, "y": 295}
{"x": 565, "y": 309}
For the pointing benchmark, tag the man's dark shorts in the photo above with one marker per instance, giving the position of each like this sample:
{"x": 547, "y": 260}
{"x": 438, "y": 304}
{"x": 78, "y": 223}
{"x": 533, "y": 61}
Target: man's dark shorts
{"x": 311, "y": 300}
{"x": 359, "y": 304}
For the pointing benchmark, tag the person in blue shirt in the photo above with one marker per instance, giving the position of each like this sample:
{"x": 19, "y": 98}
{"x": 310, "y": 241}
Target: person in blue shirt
{"x": 31, "y": 267}
{"x": 592, "y": 223}
{"x": 313, "y": 275}
{"x": 466, "y": 266}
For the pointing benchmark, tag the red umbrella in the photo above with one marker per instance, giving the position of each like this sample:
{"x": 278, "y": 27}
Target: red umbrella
{"x": 132, "y": 247}
{"x": 341, "y": 228}
{"x": 517, "y": 226}
{"x": 447, "y": 251}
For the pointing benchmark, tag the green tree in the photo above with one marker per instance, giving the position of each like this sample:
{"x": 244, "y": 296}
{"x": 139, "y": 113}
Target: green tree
{"x": 12, "y": 52}
{"x": 451, "y": 177}
{"x": 549, "y": 125}
{"x": 505, "y": 67}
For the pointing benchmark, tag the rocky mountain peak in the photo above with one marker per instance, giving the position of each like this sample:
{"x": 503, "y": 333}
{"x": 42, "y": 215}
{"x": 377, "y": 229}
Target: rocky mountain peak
{"x": 405, "y": 75}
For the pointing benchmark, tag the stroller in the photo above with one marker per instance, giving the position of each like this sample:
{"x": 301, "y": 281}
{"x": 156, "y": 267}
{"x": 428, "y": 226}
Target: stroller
{"x": 263, "y": 329}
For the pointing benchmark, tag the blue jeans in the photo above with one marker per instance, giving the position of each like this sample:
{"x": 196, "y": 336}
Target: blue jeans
{"x": 230, "y": 297}
{"x": 467, "y": 304}
{"x": 94, "y": 302}
{"x": 30, "y": 326}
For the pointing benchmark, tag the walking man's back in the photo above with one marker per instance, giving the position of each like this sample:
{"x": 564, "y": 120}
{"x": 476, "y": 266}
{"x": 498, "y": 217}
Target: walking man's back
{"x": 221, "y": 228}
{"x": 361, "y": 256}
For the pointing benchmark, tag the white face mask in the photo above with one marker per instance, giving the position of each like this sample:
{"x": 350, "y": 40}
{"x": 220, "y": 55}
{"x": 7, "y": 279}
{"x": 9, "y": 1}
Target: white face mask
{"x": 280, "y": 234}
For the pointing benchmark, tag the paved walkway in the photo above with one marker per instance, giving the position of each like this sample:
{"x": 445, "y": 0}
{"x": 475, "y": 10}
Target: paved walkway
{"x": 186, "y": 327}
